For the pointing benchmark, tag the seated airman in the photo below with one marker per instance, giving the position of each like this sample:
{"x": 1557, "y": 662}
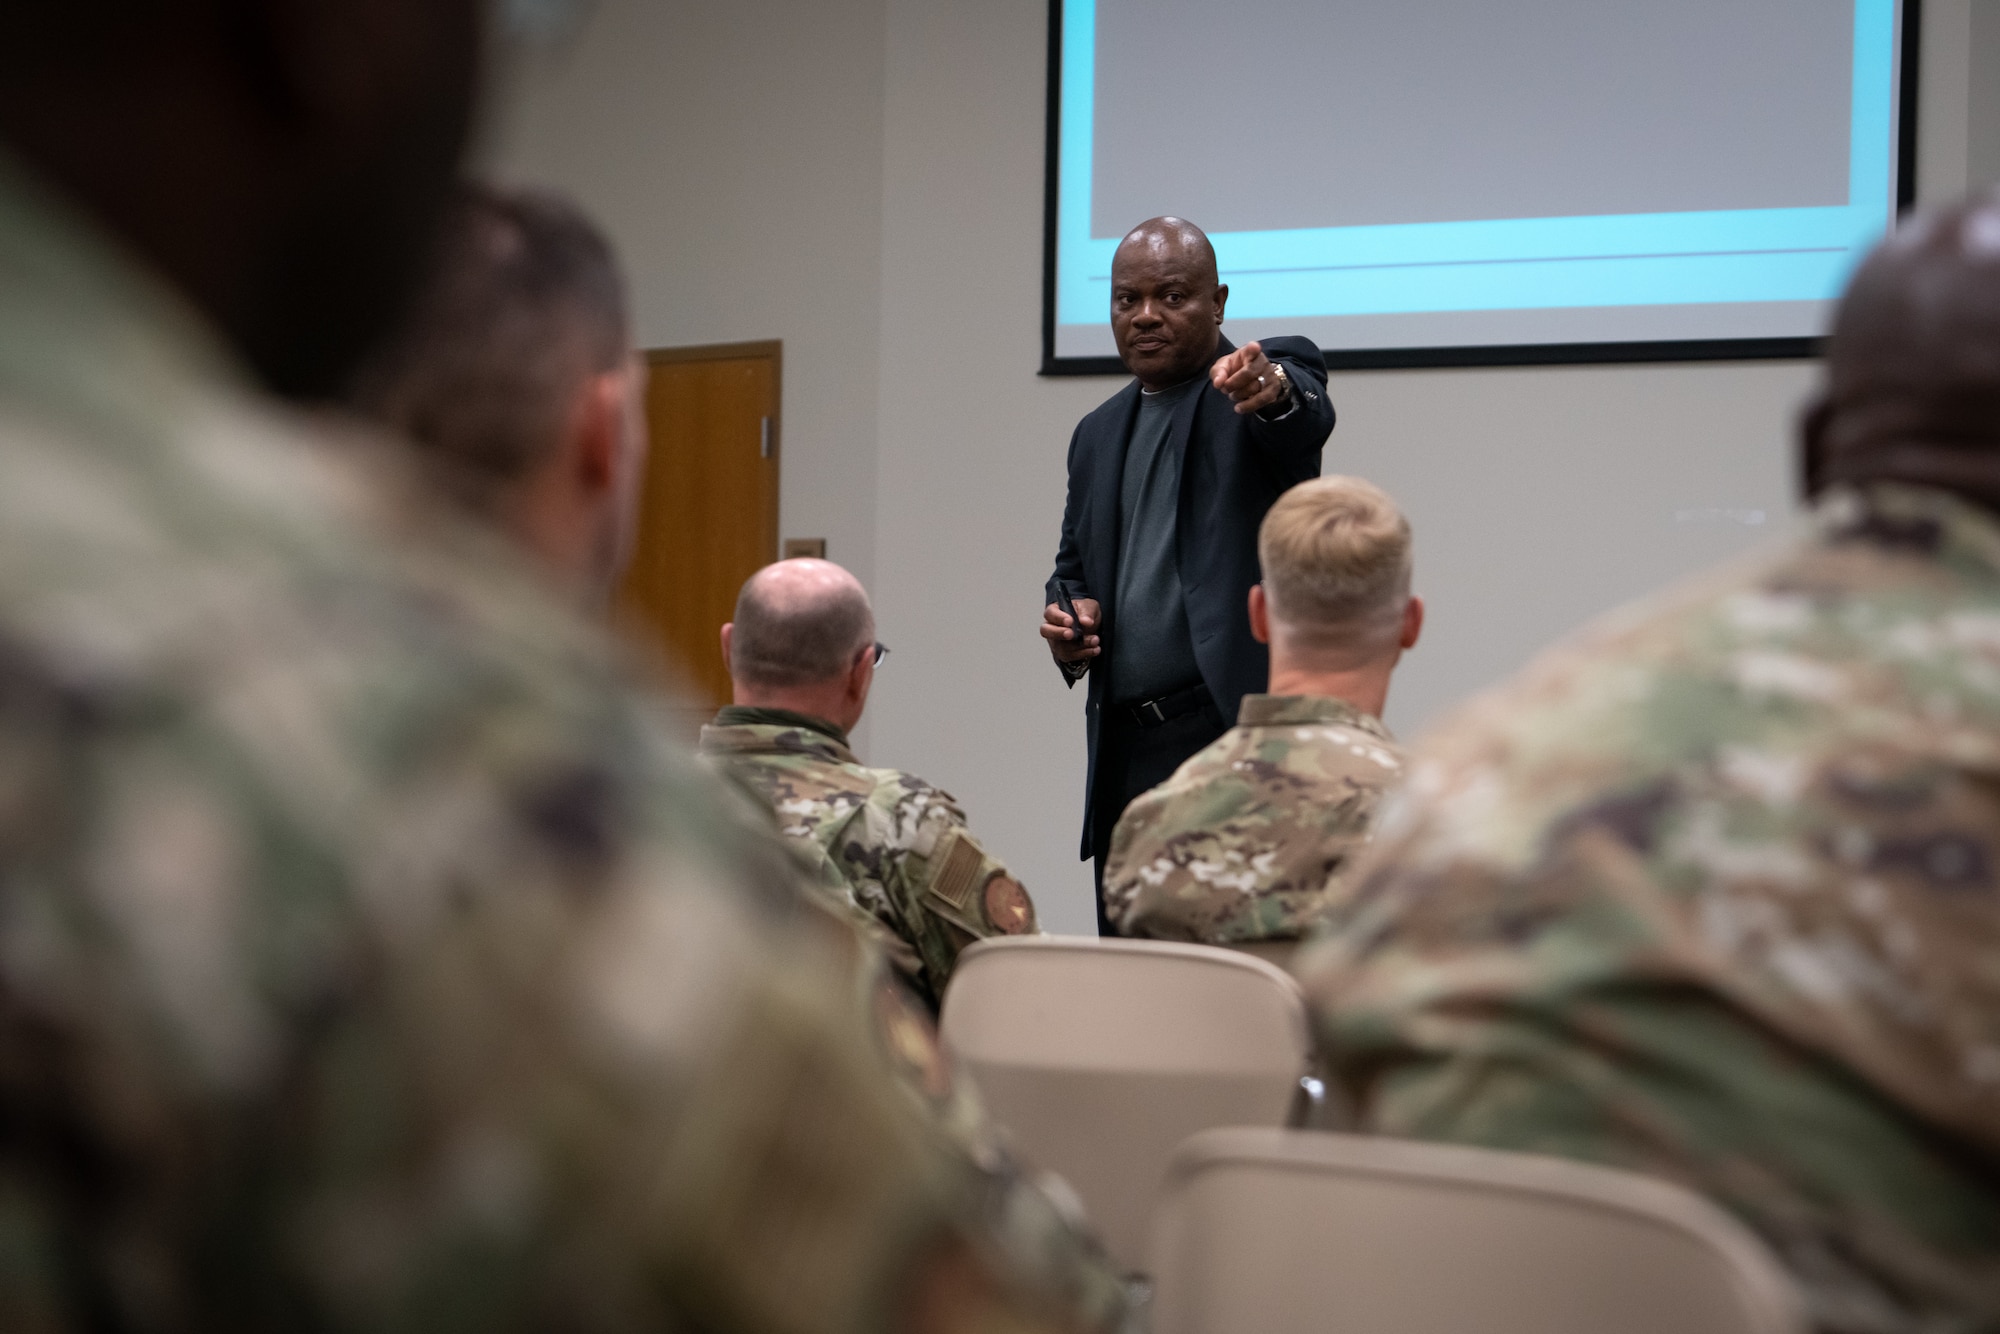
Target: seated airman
{"x": 802, "y": 658}
{"x": 1251, "y": 839}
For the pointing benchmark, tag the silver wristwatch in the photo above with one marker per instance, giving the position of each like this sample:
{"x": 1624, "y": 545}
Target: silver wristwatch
{"x": 1291, "y": 400}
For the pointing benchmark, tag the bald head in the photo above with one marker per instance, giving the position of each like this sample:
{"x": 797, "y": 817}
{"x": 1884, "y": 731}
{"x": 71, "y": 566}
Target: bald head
{"x": 1166, "y": 301}
{"x": 799, "y": 623}
{"x": 1172, "y": 238}
{"x": 1913, "y": 369}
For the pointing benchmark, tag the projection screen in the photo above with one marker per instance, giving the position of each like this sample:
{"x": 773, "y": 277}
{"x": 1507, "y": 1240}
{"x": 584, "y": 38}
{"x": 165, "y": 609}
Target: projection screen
{"x": 1462, "y": 182}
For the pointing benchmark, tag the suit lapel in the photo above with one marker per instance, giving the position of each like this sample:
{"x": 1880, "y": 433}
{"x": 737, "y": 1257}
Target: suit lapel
{"x": 1108, "y": 462}
{"x": 1191, "y": 443}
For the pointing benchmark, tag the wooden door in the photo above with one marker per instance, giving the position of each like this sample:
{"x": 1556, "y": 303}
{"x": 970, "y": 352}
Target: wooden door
{"x": 708, "y": 516}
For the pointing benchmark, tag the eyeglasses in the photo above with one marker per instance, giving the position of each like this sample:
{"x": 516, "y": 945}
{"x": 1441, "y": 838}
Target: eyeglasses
{"x": 881, "y": 652}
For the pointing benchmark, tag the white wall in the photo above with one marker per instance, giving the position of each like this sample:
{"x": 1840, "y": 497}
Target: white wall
{"x": 734, "y": 152}
{"x": 1943, "y": 118}
{"x": 1983, "y": 93}
{"x": 1540, "y": 497}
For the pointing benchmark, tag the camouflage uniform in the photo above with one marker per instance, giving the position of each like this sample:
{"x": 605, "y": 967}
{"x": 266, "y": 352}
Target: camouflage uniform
{"x": 1713, "y": 892}
{"x": 765, "y": 753}
{"x": 1251, "y": 838}
{"x": 367, "y": 960}
{"x": 900, "y": 844}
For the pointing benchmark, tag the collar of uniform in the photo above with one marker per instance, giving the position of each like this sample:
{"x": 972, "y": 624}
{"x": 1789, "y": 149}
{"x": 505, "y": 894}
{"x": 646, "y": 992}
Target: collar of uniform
{"x": 1939, "y": 523}
{"x": 742, "y": 729}
{"x": 83, "y": 325}
{"x": 1297, "y": 710}
{"x": 742, "y": 715}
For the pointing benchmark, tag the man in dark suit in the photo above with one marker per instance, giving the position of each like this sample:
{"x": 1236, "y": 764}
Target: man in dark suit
{"x": 1168, "y": 481}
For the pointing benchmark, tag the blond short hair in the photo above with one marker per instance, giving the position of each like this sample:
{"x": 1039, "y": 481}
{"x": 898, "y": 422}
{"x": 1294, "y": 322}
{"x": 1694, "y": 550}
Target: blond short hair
{"x": 1335, "y": 553}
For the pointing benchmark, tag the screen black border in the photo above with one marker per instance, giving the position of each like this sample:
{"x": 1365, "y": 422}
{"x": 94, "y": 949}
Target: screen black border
{"x": 1513, "y": 354}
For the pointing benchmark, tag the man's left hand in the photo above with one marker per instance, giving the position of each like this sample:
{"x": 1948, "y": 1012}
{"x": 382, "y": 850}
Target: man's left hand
{"x": 1248, "y": 377}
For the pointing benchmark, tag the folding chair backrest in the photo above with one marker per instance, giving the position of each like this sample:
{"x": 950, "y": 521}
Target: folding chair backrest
{"x": 1100, "y": 1056}
{"x": 1292, "y": 1231}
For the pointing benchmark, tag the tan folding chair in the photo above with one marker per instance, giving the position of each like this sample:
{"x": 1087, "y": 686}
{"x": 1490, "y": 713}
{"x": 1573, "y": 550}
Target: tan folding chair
{"x": 1289, "y": 1231}
{"x": 1277, "y": 953}
{"x": 1100, "y": 1056}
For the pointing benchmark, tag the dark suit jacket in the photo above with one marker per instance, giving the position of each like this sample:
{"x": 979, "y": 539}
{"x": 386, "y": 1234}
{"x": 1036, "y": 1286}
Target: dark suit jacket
{"x": 1233, "y": 468}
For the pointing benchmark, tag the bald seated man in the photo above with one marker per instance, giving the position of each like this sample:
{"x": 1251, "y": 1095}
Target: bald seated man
{"x": 802, "y": 658}
{"x": 1713, "y": 890}
{"x": 1168, "y": 480}
{"x": 1251, "y": 841}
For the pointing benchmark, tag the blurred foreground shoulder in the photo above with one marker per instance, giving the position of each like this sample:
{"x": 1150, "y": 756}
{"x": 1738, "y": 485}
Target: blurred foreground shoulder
{"x": 368, "y": 953}
{"x": 1714, "y": 886}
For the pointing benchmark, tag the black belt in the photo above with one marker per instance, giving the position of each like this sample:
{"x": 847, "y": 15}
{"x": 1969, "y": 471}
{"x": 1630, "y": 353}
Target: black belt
{"x": 1166, "y": 708}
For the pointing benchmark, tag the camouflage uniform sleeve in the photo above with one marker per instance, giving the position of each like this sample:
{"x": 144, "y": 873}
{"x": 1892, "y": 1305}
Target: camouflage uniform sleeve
{"x": 1560, "y": 1012}
{"x": 1136, "y": 866}
{"x": 821, "y": 874}
{"x": 948, "y": 890}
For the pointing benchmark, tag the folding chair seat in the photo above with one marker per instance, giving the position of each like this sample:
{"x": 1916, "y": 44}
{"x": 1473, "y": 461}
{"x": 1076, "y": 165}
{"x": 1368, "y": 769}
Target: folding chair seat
{"x": 1285, "y": 1232}
{"x": 1100, "y": 1056}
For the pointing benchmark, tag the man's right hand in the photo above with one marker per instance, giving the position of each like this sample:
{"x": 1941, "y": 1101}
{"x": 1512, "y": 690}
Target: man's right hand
{"x": 1072, "y": 640}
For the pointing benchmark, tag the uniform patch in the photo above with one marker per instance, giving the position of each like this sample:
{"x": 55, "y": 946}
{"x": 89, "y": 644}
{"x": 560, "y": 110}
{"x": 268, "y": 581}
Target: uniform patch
{"x": 1008, "y": 907}
{"x": 955, "y": 871}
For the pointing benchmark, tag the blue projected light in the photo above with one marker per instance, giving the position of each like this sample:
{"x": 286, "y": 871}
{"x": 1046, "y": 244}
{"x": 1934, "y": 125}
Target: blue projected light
{"x": 1765, "y": 273}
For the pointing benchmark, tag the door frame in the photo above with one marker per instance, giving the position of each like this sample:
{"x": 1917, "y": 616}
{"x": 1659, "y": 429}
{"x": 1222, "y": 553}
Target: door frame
{"x": 773, "y": 348}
